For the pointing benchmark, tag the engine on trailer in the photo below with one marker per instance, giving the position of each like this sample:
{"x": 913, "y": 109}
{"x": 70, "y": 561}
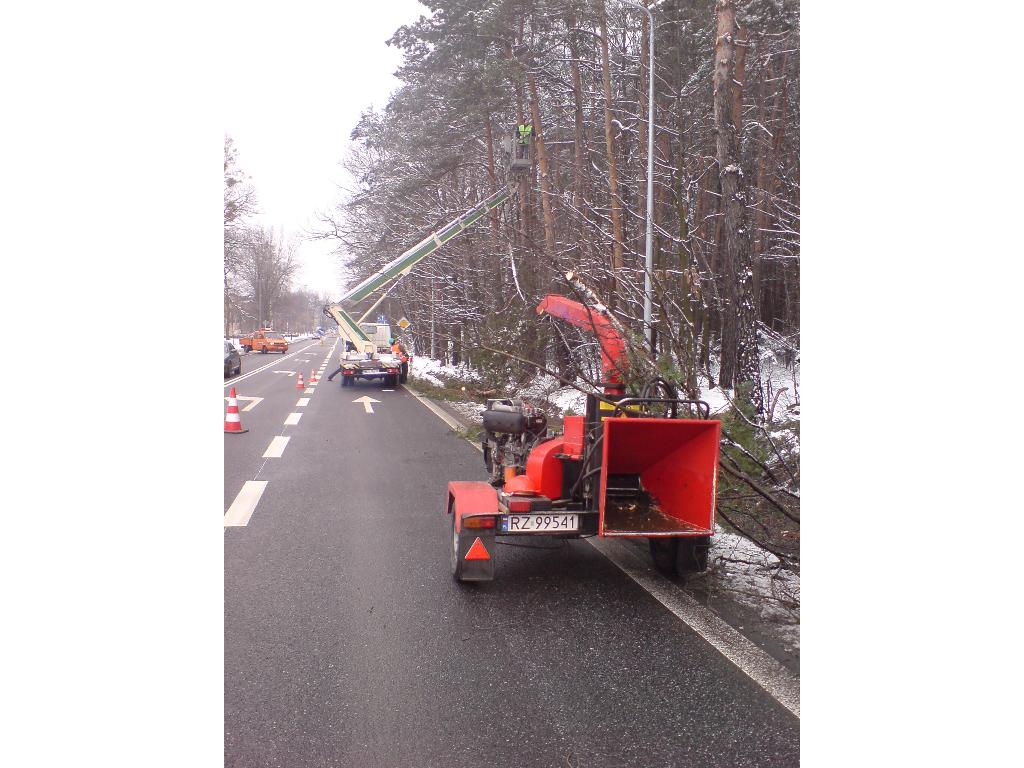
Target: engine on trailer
{"x": 511, "y": 430}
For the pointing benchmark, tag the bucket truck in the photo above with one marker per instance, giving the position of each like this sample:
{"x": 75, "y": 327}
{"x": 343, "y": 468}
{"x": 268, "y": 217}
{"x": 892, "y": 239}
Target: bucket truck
{"x": 364, "y": 357}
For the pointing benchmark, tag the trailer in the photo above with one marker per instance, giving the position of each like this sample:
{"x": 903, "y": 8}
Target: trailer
{"x": 634, "y": 466}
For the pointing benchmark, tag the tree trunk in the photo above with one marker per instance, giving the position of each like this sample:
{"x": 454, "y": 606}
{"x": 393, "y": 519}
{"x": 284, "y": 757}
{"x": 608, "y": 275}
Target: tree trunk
{"x": 546, "y": 188}
{"x": 739, "y": 354}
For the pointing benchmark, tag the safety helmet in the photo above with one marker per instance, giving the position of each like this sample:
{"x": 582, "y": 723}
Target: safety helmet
{"x": 391, "y": 341}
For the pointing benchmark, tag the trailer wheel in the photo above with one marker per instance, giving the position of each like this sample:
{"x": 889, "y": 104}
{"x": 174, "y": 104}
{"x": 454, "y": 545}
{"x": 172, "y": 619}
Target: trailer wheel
{"x": 693, "y": 554}
{"x": 664, "y": 552}
{"x": 456, "y": 561}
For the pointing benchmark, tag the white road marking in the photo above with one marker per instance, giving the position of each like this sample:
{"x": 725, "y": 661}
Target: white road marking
{"x": 303, "y": 401}
{"x": 768, "y": 673}
{"x": 308, "y": 391}
{"x": 366, "y": 400}
{"x": 439, "y": 413}
{"x": 779, "y": 683}
{"x": 276, "y": 448}
{"x": 293, "y": 418}
{"x": 387, "y": 390}
{"x": 286, "y": 373}
{"x": 232, "y": 382}
{"x": 255, "y": 401}
{"x": 245, "y": 502}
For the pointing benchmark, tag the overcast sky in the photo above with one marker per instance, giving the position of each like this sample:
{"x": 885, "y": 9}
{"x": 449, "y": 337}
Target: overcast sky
{"x": 304, "y": 73}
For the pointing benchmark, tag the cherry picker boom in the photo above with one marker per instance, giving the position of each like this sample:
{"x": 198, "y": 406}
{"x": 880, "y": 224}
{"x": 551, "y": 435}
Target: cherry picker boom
{"x": 370, "y": 359}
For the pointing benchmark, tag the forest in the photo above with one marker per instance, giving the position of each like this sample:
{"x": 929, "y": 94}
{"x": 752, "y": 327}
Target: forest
{"x": 725, "y": 206}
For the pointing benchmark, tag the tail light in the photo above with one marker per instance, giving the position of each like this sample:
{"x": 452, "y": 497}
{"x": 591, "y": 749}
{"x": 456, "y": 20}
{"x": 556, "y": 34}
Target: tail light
{"x": 519, "y": 505}
{"x": 483, "y": 521}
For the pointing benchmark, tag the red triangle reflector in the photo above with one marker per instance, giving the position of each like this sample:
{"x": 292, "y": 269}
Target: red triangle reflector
{"x": 477, "y": 551}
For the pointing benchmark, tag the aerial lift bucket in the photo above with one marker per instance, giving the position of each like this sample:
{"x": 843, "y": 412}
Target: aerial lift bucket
{"x": 658, "y": 477}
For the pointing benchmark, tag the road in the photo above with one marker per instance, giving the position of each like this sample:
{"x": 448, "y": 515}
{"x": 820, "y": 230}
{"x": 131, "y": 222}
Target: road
{"x": 347, "y": 643}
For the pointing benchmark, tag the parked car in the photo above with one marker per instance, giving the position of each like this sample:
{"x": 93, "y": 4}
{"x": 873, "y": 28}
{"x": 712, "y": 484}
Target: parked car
{"x": 232, "y": 360}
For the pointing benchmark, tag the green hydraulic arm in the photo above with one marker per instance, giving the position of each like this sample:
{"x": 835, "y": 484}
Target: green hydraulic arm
{"x": 401, "y": 266}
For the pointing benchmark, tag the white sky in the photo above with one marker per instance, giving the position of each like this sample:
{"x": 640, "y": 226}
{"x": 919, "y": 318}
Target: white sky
{"x": 305, "y": 72}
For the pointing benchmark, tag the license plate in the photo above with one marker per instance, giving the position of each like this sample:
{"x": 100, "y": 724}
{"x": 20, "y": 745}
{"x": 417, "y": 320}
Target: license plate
{"x": 539, "y": 523}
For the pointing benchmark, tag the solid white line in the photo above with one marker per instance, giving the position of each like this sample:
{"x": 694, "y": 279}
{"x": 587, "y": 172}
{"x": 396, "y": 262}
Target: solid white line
{"x": 245, "y": 502}
{"x": 302, "y": 401}
{"x": 779, "y": 683}
{"x": 439, "y": 413}
{"x": 276, "y": 447}
{"x": 232, "y": 382}
{"x": 768, "y": 673}
{"x": 293, "y": 418}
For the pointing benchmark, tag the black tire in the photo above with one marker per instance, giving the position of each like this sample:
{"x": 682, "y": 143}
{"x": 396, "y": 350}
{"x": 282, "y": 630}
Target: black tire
{"x": 664, "y": 552}
{"x": 693, "y": 554}
{"x": 453, "y": 541}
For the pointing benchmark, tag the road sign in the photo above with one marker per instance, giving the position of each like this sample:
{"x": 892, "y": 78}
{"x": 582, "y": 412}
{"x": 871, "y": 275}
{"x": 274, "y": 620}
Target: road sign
{"x": 366, "y": 400}
{"x": 404, "y": 324}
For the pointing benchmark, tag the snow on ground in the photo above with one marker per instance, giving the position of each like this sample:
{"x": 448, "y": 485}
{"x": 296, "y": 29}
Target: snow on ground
{"x": 781, "y": 382}
{"x": 428, "y": 369}
{"x": 547, "y": 389}
{"x": 752, "y": 576}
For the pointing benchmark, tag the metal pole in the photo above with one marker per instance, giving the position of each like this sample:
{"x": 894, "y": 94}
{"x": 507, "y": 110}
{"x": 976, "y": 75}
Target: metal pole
{"x": 649, "y": 245}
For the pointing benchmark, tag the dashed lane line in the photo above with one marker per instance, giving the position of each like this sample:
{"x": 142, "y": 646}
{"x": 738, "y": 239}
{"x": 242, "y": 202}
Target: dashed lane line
{"x": 303, "y": 401}
{"x": 245, "y": 502}
{"x": 760, "y": 667}
{"x": 276, "y": 448}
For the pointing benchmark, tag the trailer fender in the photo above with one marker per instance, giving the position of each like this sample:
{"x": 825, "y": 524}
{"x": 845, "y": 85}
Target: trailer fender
{"x": 473, "y": 549}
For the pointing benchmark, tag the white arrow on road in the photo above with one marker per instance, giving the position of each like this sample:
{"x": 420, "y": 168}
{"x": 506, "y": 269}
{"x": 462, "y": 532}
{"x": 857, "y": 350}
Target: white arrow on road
{"x": 366, "y": 400}
{"x": 286, "y": 373}
{"x": 254, "y": 401}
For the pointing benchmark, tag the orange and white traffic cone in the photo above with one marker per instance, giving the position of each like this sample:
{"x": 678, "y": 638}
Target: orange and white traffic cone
{"x": 312, "y": 376}
{"x": 232, "y": 421}
{"x": 299, "y": 384}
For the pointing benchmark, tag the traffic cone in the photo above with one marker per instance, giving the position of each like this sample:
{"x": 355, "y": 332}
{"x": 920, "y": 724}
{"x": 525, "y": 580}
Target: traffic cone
{"x": 299, "y": 384}
{"x": 312, "y": 376}
{"x": 232, "y": 421}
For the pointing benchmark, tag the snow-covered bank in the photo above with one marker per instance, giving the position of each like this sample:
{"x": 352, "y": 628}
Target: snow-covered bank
{"x": 428, "y": 369}
{"x": 752, "y": 576}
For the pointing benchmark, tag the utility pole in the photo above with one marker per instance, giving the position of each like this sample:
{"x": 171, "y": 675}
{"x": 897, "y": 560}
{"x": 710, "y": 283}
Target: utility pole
{"x": 433, "y": 342}
{"x": 649, "y": 246}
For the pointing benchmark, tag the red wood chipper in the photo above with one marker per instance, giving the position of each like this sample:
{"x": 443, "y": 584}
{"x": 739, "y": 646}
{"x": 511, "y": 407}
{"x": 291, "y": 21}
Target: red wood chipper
{"x": 643, "y": 466}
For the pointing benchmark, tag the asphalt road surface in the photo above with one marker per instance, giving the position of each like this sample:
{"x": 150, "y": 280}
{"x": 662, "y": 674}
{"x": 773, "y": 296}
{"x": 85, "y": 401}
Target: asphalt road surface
{"x": 347, "y": 643}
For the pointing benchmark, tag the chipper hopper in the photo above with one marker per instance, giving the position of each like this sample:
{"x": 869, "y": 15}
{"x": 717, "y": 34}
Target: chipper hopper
{"x": 633, "y": 467}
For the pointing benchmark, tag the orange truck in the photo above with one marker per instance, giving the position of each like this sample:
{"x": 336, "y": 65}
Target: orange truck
{"x": 264, "y": 340}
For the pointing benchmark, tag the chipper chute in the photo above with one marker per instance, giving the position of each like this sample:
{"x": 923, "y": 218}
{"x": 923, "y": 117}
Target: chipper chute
{"x": 658, "y": 477}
